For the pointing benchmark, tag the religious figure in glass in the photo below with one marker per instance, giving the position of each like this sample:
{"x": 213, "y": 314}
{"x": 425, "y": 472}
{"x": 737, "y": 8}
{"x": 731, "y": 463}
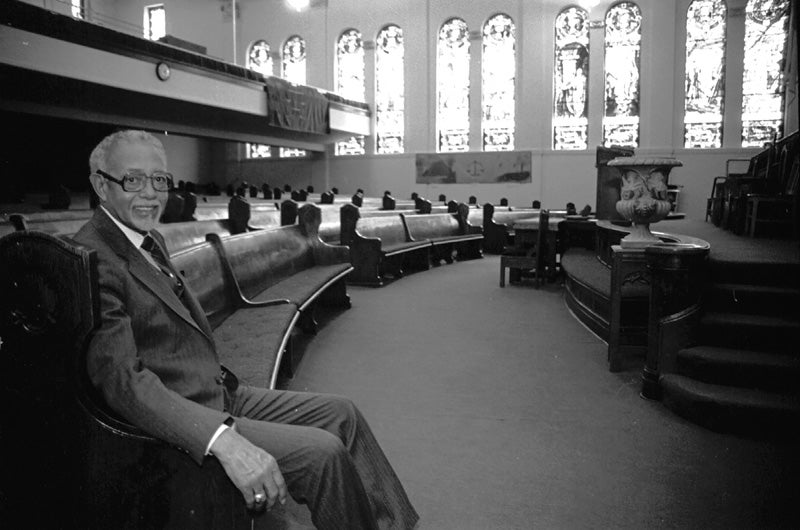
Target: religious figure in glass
{"x": 389, "y": 91}
{"x": 705, "y": 73}
{"x": 259, "y": 58}
{"x": 570, "y": 116}
{"x": 350, "y": 82}
{"x": 293, "y": 68}
{"x": 452, "y": 87}
{"x": 766, "y": 29}
{"x": 622, "y": 47}
{"x": 498, "y": 77}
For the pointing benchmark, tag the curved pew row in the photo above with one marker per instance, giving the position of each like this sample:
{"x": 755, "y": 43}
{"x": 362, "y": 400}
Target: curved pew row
{"x": 384, "y": 245}
{"x": 256, "y": 286}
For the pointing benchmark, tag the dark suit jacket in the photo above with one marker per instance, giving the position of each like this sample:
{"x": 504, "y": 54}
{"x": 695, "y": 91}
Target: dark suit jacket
{"x": 153, "y": 356}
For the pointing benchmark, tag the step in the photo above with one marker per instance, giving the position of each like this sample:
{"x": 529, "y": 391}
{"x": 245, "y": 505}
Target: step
{"x": 758, "y": 273}
{"x": 777, "y": 333}
{"x": 749, "y": 298}
{"x": 731, "y": 409}
{"x": 775, "y": 372}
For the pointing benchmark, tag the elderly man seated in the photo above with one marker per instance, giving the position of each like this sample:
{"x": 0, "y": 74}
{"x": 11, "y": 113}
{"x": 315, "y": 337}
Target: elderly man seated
{"x": 154, "y": 360}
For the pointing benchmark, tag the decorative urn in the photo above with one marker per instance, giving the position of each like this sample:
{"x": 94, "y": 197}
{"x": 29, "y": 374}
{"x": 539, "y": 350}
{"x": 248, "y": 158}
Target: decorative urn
{"x": 643, "y": 195}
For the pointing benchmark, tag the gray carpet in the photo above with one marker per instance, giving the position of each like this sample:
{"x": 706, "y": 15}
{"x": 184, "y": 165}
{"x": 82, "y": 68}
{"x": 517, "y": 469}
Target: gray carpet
{"x": 498, "y": 412}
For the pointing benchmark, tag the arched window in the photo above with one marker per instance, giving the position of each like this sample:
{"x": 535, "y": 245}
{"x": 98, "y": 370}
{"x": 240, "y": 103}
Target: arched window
{"x": 766, "y": 27}
{"x": 259, "y": 60}
{"x": 452, "y": 87}
{"x": 155, "y": 21}
{"x": 350, "y": 81}
{"x": 623, "y": 37}
{"x": 389, "y": 90}
{"x": 79, "y": 9}
{"x": 571, "y": 80}
{"x": 293, "y": 60}
{"x": 293, "y": 68}
{"x": 705, "y": 73}
{"x": 499, "y": 67}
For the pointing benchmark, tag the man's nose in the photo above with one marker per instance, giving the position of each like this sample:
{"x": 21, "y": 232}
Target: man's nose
{"x": 149, "y": 189}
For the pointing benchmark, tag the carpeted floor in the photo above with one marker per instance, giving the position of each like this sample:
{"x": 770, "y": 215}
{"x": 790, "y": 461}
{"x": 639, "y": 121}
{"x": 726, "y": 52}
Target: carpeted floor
{"x": 497, "y": 410}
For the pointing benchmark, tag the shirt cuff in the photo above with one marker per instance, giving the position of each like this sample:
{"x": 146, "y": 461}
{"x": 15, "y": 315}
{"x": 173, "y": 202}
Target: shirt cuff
{"x": 222, "y": 428}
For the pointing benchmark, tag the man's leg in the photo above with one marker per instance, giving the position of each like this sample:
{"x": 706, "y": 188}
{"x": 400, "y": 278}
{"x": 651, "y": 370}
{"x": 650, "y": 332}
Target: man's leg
{"x": 329, "y": 472}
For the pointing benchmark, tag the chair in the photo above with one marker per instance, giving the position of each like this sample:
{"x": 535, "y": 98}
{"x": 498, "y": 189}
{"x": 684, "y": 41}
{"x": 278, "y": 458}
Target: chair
{"x": 777, "y": 208}
{"x": 524, "y": 259}
{"x": 714, "y": 201}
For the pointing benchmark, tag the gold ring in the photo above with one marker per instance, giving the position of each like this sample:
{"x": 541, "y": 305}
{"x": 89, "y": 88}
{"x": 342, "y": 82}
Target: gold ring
{"x": 260, "y": 497}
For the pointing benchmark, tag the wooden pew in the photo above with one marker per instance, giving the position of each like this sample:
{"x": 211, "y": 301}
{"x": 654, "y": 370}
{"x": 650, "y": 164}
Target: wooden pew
{"x": 497, "y": 221}
{"x": 450, "y": 234}
{"x": 178, "y": 236}
{"x": 56, "y": 222}
{"x": 289, "y": 262}
{"x": 101, "y": 471}
{"x": 380, "y": 246}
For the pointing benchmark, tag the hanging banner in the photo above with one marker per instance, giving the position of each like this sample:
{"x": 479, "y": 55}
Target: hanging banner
{"x": 471, "y": 168}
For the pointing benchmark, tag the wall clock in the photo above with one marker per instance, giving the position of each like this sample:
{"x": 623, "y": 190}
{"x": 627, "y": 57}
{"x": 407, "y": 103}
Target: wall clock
{"x": 163, "y": 71}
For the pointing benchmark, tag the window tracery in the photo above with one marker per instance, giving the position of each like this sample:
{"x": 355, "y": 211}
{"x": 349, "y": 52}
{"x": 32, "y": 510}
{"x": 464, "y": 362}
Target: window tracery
{"x": 499, "y": 67}
{"x": 452, "y": 86}
{"x": 623, "y": 36}
{"x": 705, "y": 73}
{"x": 571, "y": 75}
{"x": 389, "y": 91}
{"x": 766, "y": 29}
{"x": 350, "y": 82}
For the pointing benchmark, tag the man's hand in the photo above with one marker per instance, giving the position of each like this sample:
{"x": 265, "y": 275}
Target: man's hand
{"x": 254, "y": 471}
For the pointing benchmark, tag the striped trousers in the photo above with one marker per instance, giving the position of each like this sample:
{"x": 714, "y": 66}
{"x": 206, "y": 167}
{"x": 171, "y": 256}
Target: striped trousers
{"x": 328, "y": 456}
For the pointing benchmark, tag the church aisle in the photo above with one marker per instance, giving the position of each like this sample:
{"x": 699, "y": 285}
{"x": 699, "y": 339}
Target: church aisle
{"x": 497, "y": 410}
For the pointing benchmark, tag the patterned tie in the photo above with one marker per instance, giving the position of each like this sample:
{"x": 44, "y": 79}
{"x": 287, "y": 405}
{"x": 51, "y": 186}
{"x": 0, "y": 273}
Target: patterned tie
{"x": 154, "y": 249}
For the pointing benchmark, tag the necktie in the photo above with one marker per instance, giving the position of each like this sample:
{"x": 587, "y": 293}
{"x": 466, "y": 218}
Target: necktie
{"x": 154, "y": 249}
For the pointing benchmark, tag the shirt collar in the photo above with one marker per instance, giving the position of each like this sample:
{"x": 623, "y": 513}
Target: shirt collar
{"x": 133, "y": 236}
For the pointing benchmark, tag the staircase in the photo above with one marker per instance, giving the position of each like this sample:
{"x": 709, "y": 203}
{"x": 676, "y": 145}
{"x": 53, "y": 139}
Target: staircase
{"x": 743, "y": 374}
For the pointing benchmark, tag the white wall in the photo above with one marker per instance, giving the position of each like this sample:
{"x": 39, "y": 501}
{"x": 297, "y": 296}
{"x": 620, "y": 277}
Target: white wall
{"x": 558, "y": 177}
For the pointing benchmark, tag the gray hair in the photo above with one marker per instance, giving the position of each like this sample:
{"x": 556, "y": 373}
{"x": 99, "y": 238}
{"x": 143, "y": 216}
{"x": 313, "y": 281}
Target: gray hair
{"x": 99, "y": 157}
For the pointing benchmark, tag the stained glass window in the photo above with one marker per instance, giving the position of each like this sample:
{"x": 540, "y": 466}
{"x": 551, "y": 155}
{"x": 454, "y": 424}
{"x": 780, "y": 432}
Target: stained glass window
{"x": 350, "y": 82}
{"x": 389, "y": 91}
{"x": 623, "y": 36}
{"x": 499, "y": 67}
{"x": 259, "y": 58}
{"x": 155, "y": 22}
{"x": 571, "y": 80}
{"x": 293, "y": 60}
{"x": 293, "y": 68}
{"x": 766, "y": 26}
{"x": 452, "y": 87}
{"x": 79, "y": 9}
{"x": 705, "y": 73}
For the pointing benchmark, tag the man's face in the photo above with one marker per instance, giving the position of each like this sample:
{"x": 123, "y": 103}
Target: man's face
{"x": 139, "y": 210}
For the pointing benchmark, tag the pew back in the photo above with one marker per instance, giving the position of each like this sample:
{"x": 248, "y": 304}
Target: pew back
{"x": 390, "y": 229}
{"x": 262, "y": 258}
{"x": 178, "y": 236}
{"x": 432, "y": 226}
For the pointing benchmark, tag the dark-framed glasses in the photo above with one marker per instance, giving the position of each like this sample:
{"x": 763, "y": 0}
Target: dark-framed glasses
{"x": 134, "y": 179}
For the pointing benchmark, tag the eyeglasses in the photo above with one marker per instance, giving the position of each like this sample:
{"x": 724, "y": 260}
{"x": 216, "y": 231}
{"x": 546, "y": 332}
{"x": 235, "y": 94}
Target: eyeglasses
{"x": 134, "y": 180}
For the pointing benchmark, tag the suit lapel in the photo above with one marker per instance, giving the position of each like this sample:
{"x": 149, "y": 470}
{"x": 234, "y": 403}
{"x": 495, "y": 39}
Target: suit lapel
{"x": 142, "y": 270}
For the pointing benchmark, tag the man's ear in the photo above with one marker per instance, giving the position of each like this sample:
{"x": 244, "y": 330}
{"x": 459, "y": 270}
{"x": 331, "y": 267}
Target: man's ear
{"x": 99, "y": 184}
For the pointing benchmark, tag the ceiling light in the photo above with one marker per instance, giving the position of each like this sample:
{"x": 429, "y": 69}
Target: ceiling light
{"x": 298, "y": 5}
